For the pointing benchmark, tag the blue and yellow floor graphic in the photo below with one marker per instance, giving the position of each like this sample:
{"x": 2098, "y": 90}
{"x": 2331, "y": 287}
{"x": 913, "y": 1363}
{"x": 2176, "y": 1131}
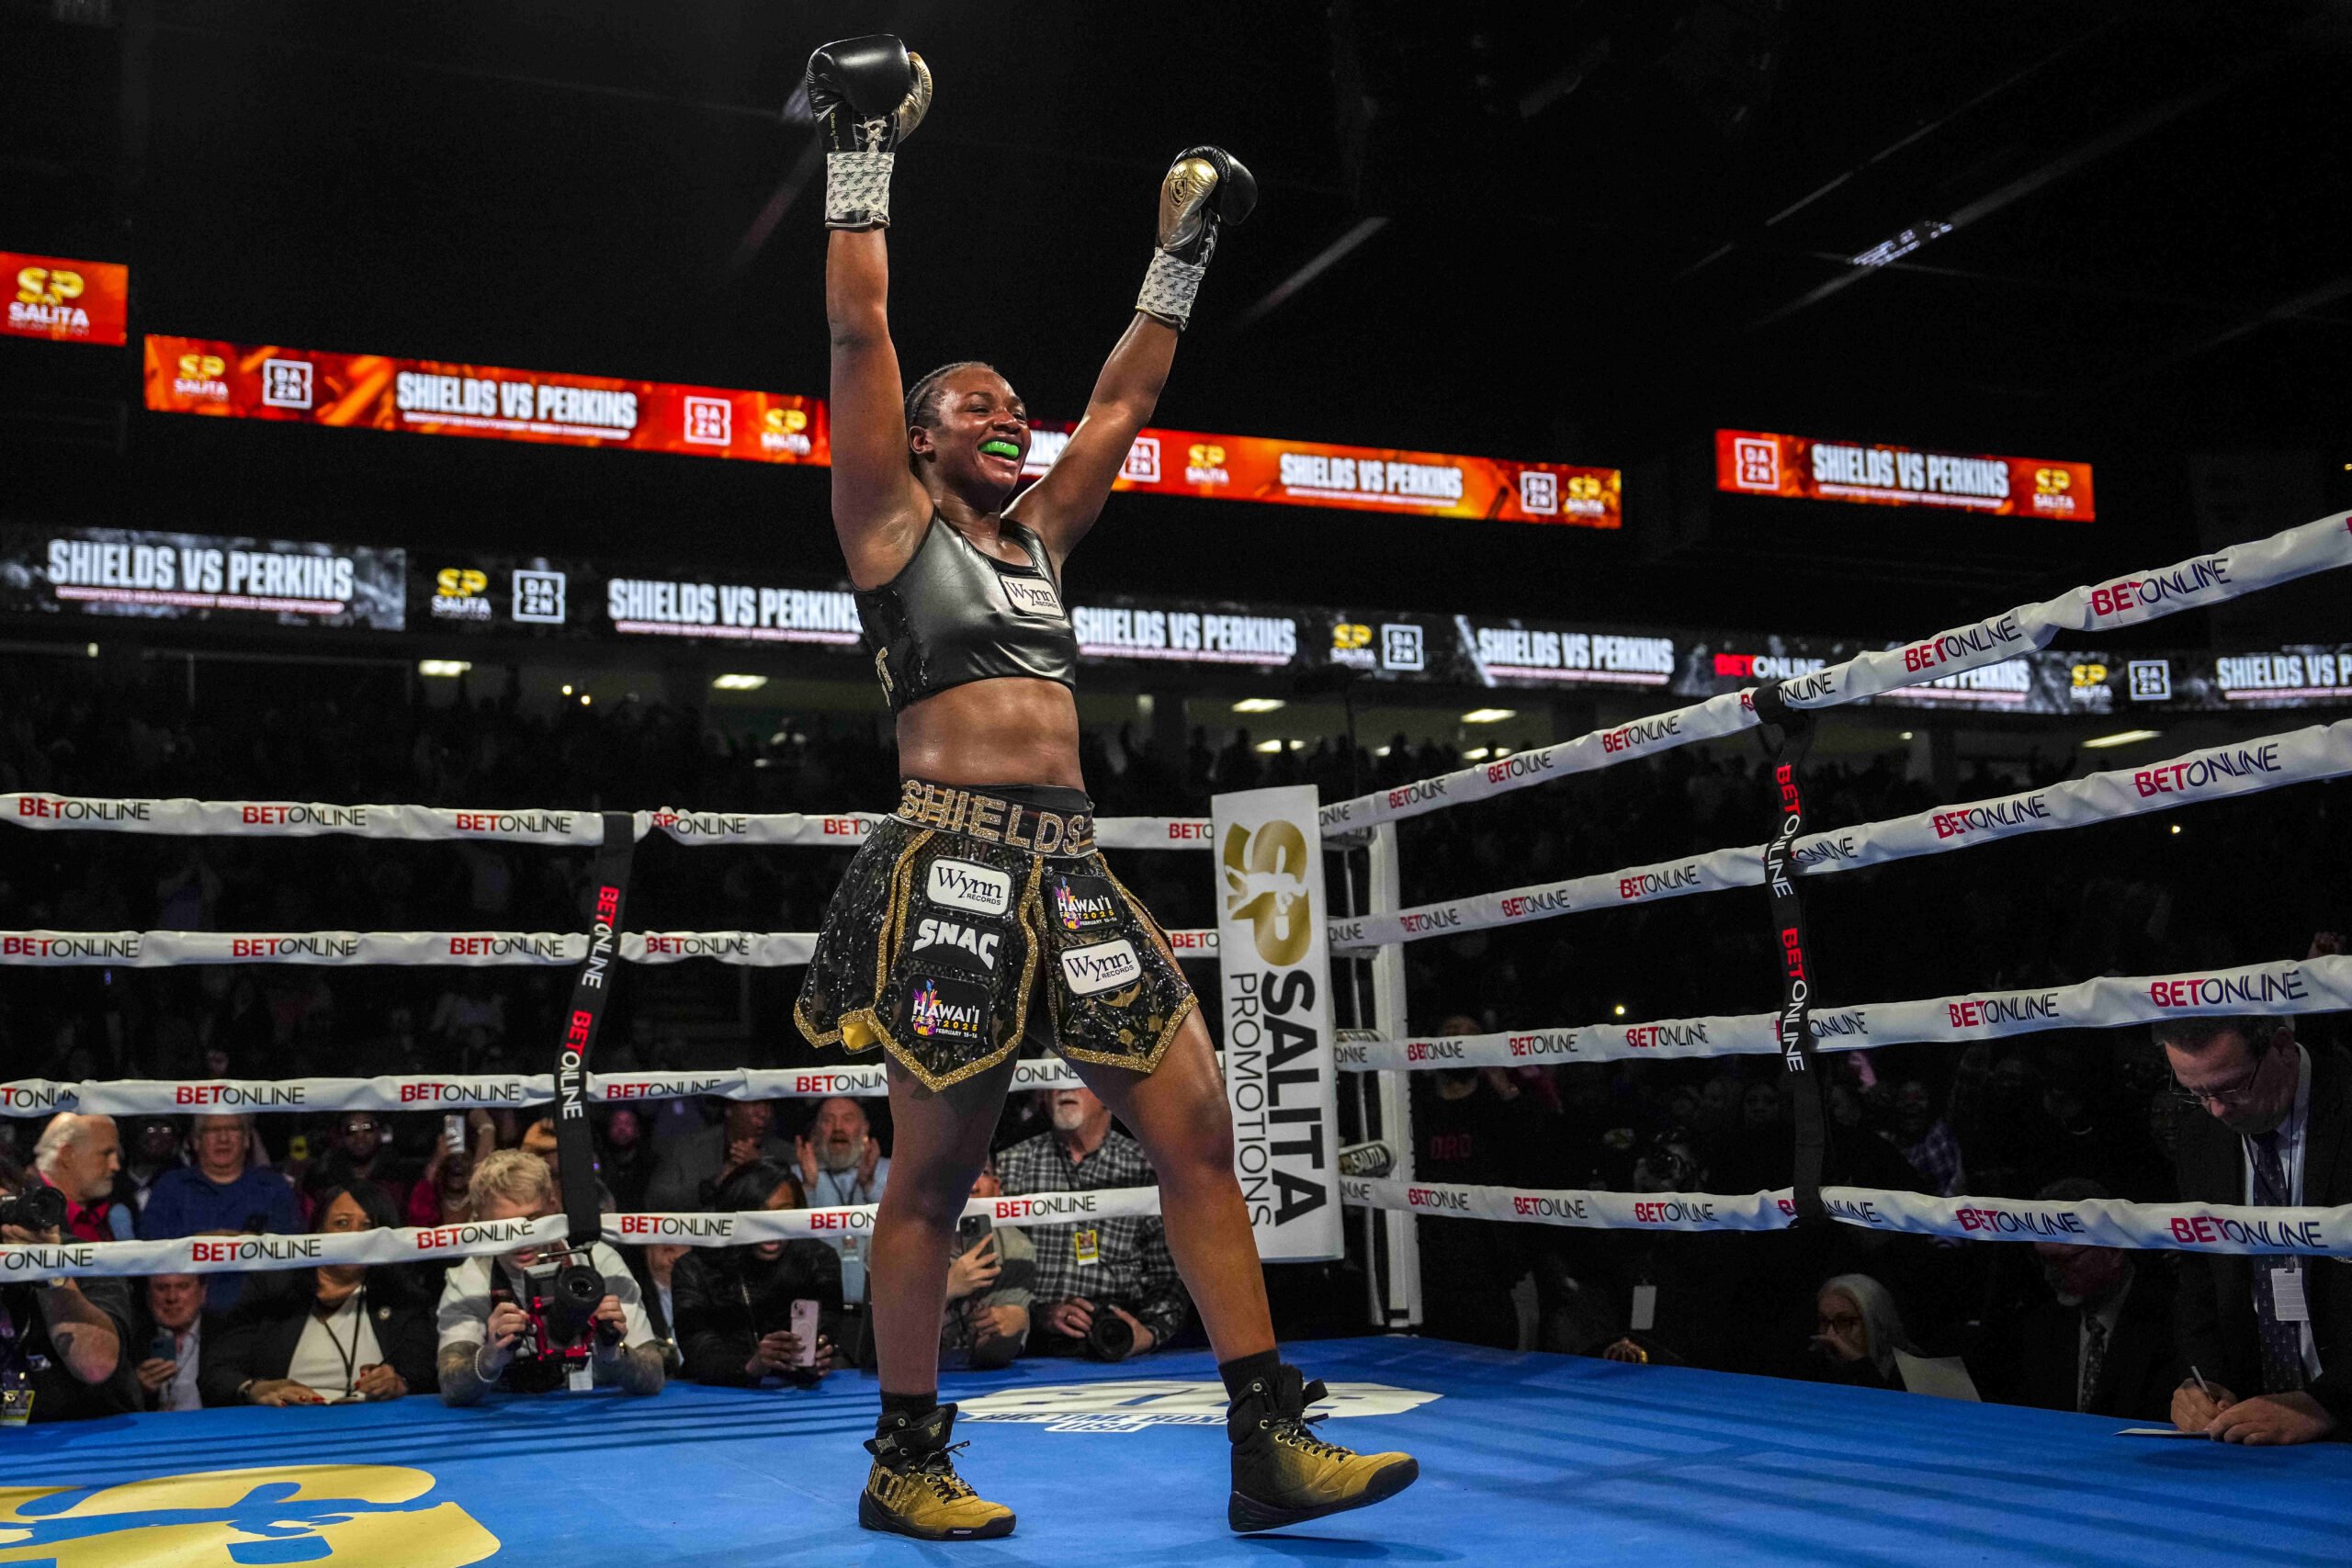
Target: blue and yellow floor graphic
{"x": 1526, "y": 1460}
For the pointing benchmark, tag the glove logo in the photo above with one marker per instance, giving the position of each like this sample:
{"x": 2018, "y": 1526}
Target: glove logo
{"x": 1265, "y": 884}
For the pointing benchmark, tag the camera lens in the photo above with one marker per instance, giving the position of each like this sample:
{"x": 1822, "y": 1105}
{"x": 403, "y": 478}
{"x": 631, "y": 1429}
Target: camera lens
{"x": 1108, "y": 1338}
{"x": 41, "y": 1209}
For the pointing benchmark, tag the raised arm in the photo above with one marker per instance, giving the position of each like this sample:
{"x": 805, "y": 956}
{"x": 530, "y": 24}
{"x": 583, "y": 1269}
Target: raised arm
{"x": 1204, "y": 189}
{"x": 867, "y": 94}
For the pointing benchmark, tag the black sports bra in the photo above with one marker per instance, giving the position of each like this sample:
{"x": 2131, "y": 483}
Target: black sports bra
{"x": 956, "y": 614}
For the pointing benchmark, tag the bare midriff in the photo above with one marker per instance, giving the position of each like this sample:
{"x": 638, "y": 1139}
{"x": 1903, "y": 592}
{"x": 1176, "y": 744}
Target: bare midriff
{"x": 1005, "y": 730}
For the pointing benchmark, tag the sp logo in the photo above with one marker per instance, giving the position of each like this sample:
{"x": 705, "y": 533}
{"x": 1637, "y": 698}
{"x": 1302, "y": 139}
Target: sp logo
{"x": 2087, "y": 675}
{"x": 202, "y": 367}
{"x": 1351, "y": 634}
{"x": 1583, "y": 487}
{"x": 1205, "y": 455}
{"x": 2051, "y": 481}
{"x": 453, "y": 583}
{"x": 1265, "y": 884}
{"x": 47, "y": 286}
{"x": 786, "y": 422}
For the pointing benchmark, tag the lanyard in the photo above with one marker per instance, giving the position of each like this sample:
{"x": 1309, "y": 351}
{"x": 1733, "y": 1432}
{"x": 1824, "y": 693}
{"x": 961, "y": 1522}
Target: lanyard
{"x": 357, "y": 1300}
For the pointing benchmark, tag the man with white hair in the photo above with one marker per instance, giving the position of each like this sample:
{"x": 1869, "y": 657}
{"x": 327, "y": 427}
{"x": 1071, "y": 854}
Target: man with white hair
{"x": 840, "y": 1166}
{"x": 81, "y": 1156}
{"x": 61, "y": 1340}
{"x": 1118, "y": 1273}
{"x": 487, "y": 1331}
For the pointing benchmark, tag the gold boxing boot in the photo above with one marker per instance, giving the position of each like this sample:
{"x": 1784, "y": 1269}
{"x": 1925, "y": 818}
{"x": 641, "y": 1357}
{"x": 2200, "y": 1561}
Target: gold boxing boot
{"x": 913, "y": 1488}
{"x": 1283, "y": 1473}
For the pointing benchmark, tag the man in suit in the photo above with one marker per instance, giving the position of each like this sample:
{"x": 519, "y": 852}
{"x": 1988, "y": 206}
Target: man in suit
{"x": 2102, "y": 1342}
{"x": 2271, "y": 1335}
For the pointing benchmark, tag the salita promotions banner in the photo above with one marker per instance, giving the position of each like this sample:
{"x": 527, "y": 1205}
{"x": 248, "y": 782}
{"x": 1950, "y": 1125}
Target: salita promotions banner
{"x": 1279, "y": 1066}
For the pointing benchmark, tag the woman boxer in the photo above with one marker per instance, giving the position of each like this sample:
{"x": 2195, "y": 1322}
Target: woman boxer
{"x": 980, "y": 912}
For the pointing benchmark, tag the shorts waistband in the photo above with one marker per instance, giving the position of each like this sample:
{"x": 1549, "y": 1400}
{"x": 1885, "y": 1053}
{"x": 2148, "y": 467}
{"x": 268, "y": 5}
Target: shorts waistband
{"x": 1041, "y": 819}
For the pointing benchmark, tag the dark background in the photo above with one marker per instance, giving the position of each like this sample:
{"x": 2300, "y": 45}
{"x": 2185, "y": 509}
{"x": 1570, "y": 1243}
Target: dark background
{"x": 1589, "y": 232}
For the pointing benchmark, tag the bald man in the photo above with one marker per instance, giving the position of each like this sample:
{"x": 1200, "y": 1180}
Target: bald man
{"x": 80, "y": 1156}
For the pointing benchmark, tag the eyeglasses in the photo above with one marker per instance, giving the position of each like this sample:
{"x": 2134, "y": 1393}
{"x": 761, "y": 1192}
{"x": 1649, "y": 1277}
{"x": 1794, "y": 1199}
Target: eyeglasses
{"x": 2230, "y": 1095}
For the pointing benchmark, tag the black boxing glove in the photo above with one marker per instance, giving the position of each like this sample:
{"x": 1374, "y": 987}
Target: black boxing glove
{"x": 867, "y": 96}
{"x": 1204, "y": 189}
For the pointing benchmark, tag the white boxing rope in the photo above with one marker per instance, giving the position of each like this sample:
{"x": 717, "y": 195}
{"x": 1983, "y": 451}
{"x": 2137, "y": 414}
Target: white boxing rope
{"x": 2215, "y": 772}
{"x": 158, "y": 949}
{"x": 475, "y": 1239}
{"x": 755, "y": 950}
{"x": 221, "y": 1254}
{"x": 536, "y": 825}
{"x": 2305, "y": 984}
{"x": 151, "y": 1097}
{"x": 1588, "y": 1210}
{"x": 1728, "y": 714}
{"x": 303, "y": 819}
{"x": 2178, "y": 1227}
{"x": 2096, "y": 1221}
{"x": 2195, "y": 583}
{"x": 2203, "y": 580}
{"x": 793, "y": 1225}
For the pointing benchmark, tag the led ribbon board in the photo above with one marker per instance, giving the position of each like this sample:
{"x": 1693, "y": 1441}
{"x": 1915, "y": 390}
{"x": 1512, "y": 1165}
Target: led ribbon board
{"x": 427, "y": 397}
{"x": 1799, "y": 467}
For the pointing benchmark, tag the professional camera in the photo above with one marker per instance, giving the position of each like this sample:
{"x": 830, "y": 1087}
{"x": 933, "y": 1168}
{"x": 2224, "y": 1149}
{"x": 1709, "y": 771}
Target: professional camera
{"x": 560, "y": 1297}
{"x": 1109, "y": 1336}
{"x": 36, "y": 1209}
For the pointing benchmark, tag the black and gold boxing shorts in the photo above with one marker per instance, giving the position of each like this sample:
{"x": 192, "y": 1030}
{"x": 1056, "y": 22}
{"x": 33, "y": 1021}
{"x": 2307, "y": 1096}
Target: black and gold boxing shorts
{"x": 963, "y": 908}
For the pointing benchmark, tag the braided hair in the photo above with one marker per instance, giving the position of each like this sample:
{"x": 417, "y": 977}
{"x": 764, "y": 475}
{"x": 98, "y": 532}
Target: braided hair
{"x": 922, "y": 398}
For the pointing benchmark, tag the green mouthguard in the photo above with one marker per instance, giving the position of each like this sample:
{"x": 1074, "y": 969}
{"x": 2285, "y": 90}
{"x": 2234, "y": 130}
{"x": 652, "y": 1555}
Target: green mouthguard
{"x": 1000, "y": 448}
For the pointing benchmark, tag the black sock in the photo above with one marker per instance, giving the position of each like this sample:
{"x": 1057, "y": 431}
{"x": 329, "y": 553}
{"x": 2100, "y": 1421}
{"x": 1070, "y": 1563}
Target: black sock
{"x": 1242, "y": 1371}
{"x": 913, "y": 1406}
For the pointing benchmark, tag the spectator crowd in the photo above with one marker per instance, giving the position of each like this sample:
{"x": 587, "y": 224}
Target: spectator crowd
{"x": 2068, "y": 1115}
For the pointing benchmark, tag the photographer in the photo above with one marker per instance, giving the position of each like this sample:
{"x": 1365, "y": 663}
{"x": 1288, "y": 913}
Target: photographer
{"x": 989, "y": 1289}
{"x": 735, "y": 1305}
{"x": 1109, "y": 1290}
{"x": 61, "y": 1340}
{"x": 521, "y": 1320}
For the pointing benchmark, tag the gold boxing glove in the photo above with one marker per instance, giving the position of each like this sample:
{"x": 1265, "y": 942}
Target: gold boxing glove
{"x": 1206, "y": 189}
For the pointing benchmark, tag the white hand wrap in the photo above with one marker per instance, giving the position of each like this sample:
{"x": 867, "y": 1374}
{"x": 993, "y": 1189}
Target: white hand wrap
{"x": 857, "y": 190}
{"x": 1168, "y": 285}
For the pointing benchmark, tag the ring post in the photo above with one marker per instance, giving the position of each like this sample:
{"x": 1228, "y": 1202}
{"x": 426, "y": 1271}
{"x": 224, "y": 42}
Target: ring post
{"x": 1401, "y": 1291}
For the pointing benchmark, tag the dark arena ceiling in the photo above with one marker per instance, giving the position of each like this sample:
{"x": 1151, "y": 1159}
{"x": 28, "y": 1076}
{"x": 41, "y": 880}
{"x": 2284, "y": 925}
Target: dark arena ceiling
{"x": 1588, "y": 231}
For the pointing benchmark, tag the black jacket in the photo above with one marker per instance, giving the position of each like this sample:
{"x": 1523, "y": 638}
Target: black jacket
{"x": 257, "y": 1338}
{"x": 2141, "y": 1367}
{"x": 2216, "y": 1322}
{"x": 727, "y": 1298}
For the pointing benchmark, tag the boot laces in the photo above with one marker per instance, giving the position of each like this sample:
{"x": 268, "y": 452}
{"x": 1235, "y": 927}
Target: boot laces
{"x": 1294, "y": 1431}
{"x": 938, "y": 1468}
